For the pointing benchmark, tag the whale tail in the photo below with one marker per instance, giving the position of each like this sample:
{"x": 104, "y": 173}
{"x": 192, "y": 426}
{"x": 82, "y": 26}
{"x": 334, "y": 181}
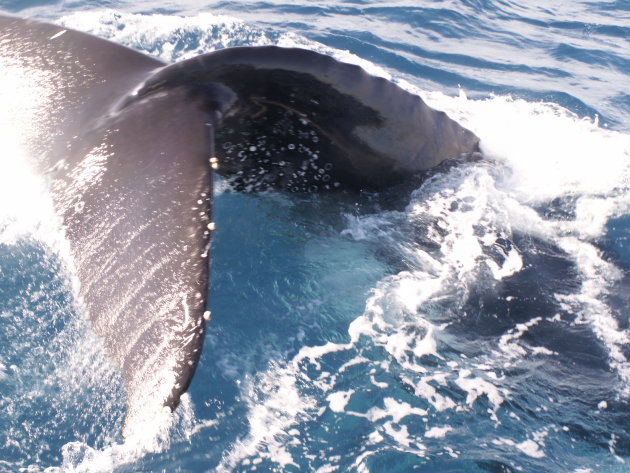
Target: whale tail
{"x": 130, "y": 146}
{"x": 297, "y": 120}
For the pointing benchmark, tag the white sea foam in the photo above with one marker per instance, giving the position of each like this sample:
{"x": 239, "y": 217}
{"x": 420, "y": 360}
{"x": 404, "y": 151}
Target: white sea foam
{"x": 469, "y": 210}
{"x": 338, "y": 400}
{"x": 546, "y": 153}
{"x": 426, "y": 390}
{"x": 275, "y": 406}
{"x": 397, "y": 410}
{"x": 438, "y": 432}
{"x": 457, "y": 205}
{"x": 476, "y": 386}
{"x": 169, "y": 37}
{"x": 531, "y": 448}
{"x": 528, "y": 447}
{"x": 509, "y": 342}
{"x": 79, "y": 457}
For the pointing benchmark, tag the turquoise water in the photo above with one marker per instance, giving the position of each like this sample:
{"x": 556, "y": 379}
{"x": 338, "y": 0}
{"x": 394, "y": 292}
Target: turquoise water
{"x": 478, "y": 323}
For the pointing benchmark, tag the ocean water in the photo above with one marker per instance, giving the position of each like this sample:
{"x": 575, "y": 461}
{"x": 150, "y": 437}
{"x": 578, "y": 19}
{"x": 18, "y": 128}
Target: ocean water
{"x": 478, "y": 323}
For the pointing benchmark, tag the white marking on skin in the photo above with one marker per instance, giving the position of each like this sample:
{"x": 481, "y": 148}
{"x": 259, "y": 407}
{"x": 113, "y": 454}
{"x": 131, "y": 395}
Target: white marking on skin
{"x": 58, "y": 34}
{"x": 186, "y": 311}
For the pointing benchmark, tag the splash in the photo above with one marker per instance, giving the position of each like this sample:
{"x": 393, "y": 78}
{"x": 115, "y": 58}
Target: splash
{"x": 457, "y": 235}
{"x": 157, "y": 436}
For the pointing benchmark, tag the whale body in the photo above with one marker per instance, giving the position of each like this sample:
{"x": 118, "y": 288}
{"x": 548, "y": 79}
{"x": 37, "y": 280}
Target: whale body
{"x": 129, "y": 146}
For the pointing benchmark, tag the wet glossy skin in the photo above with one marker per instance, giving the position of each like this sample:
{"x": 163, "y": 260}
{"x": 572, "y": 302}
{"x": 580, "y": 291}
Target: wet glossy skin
{"x": 126, "y": 145}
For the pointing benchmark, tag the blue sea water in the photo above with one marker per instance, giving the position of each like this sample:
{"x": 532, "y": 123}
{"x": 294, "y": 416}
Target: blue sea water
{"x": 477, "y": 324}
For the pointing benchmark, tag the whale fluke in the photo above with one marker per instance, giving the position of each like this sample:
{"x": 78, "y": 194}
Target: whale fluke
{"x": 128, "y": 146}
{"x": 300, "y": 120}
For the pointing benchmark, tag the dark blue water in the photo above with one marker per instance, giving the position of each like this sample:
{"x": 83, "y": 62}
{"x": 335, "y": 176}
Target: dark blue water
{"x": 479, "y": 323}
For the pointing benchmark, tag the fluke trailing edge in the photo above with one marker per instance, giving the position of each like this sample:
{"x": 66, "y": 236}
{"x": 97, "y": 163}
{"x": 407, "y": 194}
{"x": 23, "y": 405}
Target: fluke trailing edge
{"x": 126, "y": 142}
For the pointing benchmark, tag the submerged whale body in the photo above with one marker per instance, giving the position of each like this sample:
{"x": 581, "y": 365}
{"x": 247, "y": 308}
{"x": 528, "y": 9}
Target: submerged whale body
{"x": 129, "y": 146}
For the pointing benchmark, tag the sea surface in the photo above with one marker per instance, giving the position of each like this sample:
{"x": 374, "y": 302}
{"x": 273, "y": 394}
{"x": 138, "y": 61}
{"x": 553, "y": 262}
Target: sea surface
{"x": 477, "y": 323}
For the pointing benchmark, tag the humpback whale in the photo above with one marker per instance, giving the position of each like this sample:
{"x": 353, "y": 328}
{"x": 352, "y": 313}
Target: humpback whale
{"x": 129, "y": 145}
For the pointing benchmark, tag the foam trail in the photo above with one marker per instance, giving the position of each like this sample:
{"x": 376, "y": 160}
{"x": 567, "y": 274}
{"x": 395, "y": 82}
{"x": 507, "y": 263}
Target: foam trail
{"x": 469, "y": 216}
{"x": 572, "y": 159}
